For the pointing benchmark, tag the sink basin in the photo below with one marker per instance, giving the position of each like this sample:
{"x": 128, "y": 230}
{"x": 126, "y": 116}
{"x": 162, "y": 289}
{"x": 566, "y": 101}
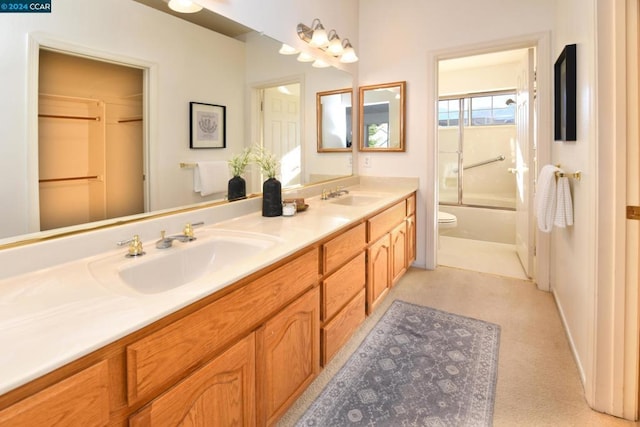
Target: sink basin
{"x": 358, "y": 199}
{"x": 166, "y": 269}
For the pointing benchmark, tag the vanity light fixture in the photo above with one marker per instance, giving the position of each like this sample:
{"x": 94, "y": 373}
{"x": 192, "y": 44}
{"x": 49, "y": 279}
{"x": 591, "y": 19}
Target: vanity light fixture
{"x": 319, "y": 63}
{"x": 335, "y": 45}
{"x": 184, "y": 6}
{"x": 305, "y": 57}
{"x": 348, "y": 54}
{"x": 288, "y": 50}
{"x": 317, "y": 37}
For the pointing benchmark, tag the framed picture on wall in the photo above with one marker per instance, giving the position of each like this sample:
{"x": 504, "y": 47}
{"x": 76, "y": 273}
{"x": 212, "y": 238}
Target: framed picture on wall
{"x": 208, "y": 125}
{"x": 565, "y": 95}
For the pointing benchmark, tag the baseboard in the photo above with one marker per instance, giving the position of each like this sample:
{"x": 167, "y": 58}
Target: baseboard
{"x": 583, "y": 377}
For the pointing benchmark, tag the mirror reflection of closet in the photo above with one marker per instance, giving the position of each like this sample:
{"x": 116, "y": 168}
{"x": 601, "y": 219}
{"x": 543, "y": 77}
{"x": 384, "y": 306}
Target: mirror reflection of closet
{"x": 90, "y": 140}
{"x": 333, "y": 119}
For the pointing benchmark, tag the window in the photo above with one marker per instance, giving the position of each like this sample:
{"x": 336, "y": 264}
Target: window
{"x": 482, "y": 109}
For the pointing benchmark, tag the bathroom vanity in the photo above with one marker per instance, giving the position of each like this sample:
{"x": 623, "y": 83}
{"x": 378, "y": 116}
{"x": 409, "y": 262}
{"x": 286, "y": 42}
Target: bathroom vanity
{"x": 236, "y": 345}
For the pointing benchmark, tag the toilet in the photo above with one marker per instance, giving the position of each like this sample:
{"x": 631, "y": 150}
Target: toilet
{"x": 446, "y": 220}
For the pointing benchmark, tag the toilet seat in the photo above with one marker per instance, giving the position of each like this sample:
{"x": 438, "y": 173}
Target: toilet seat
{"x": 447, "y": 220}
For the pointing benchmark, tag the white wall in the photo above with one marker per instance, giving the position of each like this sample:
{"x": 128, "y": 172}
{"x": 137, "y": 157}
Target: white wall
{"x": 572, "y": 250}
{"x": 193, "y": 64}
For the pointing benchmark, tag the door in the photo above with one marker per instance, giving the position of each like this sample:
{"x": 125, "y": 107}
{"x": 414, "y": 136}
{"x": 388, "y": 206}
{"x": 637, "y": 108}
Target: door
{"x": 525, "y": 168}
{"x": 281, "y": 132}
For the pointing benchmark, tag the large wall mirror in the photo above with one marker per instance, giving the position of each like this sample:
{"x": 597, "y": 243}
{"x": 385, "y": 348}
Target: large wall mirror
{"x": 334, "y": 112}
{"x": 381, "y": 117}
{"x": 183, "y": 63}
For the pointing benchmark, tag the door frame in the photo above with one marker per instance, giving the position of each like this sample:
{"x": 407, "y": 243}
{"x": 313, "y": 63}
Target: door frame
{"x": 38, "y": 41}
{"x": 543, "y": 129}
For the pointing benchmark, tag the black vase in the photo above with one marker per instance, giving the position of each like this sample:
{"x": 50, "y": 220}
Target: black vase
{"x": 237, "y": 188}
{"x": 271, "y": 198}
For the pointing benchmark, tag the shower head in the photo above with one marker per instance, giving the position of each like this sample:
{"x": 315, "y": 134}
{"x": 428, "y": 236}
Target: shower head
{"x": 510, "y": 101}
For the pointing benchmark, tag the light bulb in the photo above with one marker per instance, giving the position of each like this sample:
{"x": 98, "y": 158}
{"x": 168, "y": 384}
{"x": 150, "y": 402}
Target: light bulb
{"x": 287, "y": 50}
{"x": 319, "y": 37}
{"x": 319, "y": 63}
{"x": 335, "y": 46}
{"x": 349, "y": 54}
{"x": 305, "y": 57}
{"x": 184, "y": 6}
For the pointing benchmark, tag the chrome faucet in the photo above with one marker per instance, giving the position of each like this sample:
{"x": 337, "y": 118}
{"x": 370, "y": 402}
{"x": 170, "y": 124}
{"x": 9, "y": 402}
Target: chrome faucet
{"x": 186, "y": 236}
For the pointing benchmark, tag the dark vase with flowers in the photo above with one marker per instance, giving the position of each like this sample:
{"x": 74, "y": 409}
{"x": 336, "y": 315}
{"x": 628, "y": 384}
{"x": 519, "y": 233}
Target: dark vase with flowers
{"x": 271, "y": 197}
{"x": 237, "y": 188}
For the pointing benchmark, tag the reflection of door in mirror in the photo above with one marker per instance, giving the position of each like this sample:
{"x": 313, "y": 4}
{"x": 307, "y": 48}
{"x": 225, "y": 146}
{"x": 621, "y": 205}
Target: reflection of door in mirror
{"x": 381, "y": 117}
{"x": 281, "y": 129}
{"x": 90, "y": 142}
{"x": 334, "y": 120}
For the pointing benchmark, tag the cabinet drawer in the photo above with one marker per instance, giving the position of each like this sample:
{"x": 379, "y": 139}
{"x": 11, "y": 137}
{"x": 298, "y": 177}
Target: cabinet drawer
{"x": 337, "y": 332}
{"x": 160, "y": 359}
{"x": 80, "y": 400}
{"x": 343, "y": 247}
{"x": 411, "y": 204}
{"x": 342, "y": 285}
{"x": 223, "y": 390}
{"x": 386, "y": 220}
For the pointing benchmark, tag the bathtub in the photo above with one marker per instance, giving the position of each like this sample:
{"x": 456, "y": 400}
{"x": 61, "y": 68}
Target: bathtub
{"x": 492, "y": 225}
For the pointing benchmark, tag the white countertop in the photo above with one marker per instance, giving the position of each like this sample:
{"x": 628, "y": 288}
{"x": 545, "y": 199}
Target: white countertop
{"x": 53, "y": 316}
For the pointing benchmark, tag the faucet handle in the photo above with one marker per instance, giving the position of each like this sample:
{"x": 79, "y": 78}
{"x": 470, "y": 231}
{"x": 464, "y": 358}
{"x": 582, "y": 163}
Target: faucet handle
{"x": 188, "y": 229}
{"x": 135, "y": 246}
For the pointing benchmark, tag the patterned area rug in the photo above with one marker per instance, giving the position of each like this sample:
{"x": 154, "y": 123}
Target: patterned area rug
{"x": 417, "y": 367}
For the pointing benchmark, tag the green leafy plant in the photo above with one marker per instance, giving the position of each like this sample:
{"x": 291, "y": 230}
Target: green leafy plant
{"x": 239, "y": 162}
{"x": 267, "y": 161}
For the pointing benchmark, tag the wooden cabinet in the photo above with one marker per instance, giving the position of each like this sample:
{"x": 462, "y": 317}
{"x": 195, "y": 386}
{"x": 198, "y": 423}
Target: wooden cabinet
{"x": 163, "y": 357}
{"x": 340, "y": 328}
{"x": 343, "y": 297}
{"x": 237, "y": 357}
{"x": 378, "y": 272}
{"x": 411, "y": 229}
{"x": 221, "y": 393}
{"x": 411, "y": 239}
{"x": 398, "y": 252}
{"x": 80, "y": 400}
{"x": 289, "y": 356}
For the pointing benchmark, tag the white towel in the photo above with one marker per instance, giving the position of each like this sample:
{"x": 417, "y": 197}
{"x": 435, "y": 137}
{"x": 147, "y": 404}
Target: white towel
{"x": 564, "y": 204}
{"x": 545, "y": 199}
{"x": 210, "y": 177}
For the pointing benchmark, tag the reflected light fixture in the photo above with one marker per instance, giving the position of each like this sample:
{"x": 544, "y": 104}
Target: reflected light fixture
{"x": 317, "y": 37}
{"x": 184, "y": 6}
{"x": 305, "y": 57}
{"x": 319, "y": 63}
{"x": 288, "y": 50}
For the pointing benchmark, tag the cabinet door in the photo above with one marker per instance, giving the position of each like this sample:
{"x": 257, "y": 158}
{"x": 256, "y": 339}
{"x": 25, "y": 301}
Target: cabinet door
{"x": 378, "y": 277}
{"x": 80, "y": 400}
{"x": 221, "y": 393}
{"x": 398, "y": 252}
{"x": 411, "y": 239}
{"x": 289, "y": 356}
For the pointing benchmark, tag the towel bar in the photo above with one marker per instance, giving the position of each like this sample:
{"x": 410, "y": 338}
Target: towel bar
{"x": 576, "y": 175}
{"x": 184, "y": 165}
